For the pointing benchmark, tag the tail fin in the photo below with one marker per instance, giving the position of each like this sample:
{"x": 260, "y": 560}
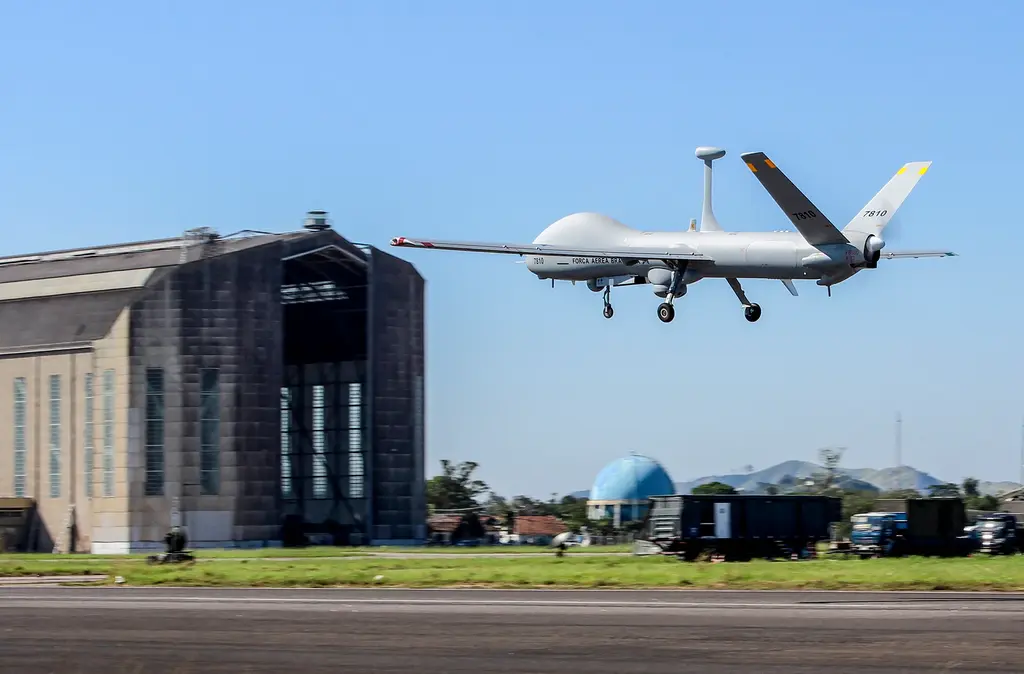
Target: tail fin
{"x": 876, "y": 214}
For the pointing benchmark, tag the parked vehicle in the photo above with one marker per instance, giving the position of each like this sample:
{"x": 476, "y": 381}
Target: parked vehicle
{"x": 916, "y": 526}
{"x": 876, "y": 533}
{"x": 998, "y": 533}
{"x": 737, "y": 526}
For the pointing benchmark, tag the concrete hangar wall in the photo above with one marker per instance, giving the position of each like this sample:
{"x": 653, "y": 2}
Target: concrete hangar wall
{"x": 253, "y": 388}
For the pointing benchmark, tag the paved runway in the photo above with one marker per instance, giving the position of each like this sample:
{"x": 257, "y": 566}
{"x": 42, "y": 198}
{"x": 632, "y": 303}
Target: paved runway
{"x": 188, "y": 631}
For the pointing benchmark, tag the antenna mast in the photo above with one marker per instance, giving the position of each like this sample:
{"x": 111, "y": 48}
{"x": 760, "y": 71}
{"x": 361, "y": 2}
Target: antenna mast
{"x": 708, "y": 154}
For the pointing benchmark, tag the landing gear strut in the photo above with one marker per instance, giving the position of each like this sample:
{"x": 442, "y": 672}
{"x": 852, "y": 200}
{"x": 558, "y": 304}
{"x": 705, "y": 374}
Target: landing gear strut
{"x": 608, "y": 311}
{"x": 676, "y": 288}
{"x": 751, "y": 311}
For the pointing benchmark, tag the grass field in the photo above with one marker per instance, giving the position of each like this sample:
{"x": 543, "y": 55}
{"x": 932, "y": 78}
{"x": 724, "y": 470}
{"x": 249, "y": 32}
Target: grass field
{"x": 574, "y": 570}
{"x": 326, "y": 551}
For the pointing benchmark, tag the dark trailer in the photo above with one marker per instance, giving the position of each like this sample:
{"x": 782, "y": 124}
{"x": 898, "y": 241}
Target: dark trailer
{"x": 935, "y": 526}
{"x": 738, "y": 526}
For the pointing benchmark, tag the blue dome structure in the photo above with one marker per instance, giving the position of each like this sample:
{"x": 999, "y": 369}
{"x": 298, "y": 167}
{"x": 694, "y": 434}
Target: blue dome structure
{"x": 623, "y": 487}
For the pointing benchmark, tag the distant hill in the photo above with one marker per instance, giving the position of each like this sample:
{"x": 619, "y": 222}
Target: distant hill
{"x": 996, "y": 488}
{"x": 792, "y": 472}
{"x": 789, "y": 473}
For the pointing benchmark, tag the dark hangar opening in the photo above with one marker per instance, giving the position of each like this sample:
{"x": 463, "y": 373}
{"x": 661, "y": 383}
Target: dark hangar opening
{"x": 325, "y": 429}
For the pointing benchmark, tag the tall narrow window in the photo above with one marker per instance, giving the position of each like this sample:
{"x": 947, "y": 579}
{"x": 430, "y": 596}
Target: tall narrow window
{"x": 209, "y": 431}
{"x": 89, "y": 444}
{"x": 108, "y": 432}
{"x": 54, "y": 436}
{"x": 154, "y": 431}
{"x": 319, "y": 465}
{"x": 417, "y": 413}
{"x": 286, "y": 445}
{"x": 355, "y": 440}
{"x": 20, "y": 445}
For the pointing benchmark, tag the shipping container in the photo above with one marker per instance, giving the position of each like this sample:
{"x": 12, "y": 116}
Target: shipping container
{"x": 737, "y": 526}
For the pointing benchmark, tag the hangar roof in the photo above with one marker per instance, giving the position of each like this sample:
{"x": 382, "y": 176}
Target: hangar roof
{"x": 123, "y": 257}
{"x": 69, "y": 297}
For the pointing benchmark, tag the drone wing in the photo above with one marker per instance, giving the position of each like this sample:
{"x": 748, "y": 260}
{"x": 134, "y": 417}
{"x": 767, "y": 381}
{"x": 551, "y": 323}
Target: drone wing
{"x": 805, "y": 216}
{"x": 625, "y": 253}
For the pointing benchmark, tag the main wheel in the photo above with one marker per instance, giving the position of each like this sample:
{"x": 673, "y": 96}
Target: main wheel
{"x": 666, "y": 312}
{"x": 752, "y": 313}
{"x": 608, "y": 311}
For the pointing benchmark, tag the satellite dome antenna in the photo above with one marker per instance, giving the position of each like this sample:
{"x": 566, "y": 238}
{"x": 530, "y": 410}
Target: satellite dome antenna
{"x": 707, "y": 217}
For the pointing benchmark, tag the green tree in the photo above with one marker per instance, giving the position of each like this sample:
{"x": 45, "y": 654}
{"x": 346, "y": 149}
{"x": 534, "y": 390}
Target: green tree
{"x": 525, "y": 505}
{"x": 455, "y": 487}
{"x": 854, "y": 503}
{"x": 573, "y": 512}
{"x": 772, "y": 490}
{"x": 496, "y": 505}
{"x": 974, "y": 499}
{"x": 986, "y": 502}
{"x": 713, "y": 488}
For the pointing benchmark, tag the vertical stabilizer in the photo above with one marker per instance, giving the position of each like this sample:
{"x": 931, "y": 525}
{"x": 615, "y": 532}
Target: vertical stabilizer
{"x": 876, "y": 214}
{"x": 707, "y": 216}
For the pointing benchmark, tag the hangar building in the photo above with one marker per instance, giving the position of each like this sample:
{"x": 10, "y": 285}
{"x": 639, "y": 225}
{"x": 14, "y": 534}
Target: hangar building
{"x": 230, "y": 384}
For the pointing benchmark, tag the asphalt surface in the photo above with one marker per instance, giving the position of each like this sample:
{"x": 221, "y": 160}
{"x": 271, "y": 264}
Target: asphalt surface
{"x": 116, "y": 630}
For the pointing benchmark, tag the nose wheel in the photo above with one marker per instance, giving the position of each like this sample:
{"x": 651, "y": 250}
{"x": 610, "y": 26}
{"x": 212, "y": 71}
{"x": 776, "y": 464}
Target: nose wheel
{"x": 752, "y": 313}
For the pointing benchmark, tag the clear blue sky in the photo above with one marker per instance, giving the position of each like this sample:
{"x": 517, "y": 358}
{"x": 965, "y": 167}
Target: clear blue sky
{"x": 125, "y": 120}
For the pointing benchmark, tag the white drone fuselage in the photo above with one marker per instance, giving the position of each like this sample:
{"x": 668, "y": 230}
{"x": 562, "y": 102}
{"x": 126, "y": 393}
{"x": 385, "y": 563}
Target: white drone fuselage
{"x": 603, "y": 252}
{"x": 760, "y": 255}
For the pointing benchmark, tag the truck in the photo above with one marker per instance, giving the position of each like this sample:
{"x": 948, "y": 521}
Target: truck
{"x": 998, "y": 533}
{"x": 913, "y": 526}
{"x": 737, "y": 527}
{"x": 875, "y": 533}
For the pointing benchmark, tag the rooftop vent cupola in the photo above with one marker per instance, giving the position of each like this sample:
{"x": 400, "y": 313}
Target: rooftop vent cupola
{"x": 316, "y": 221}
